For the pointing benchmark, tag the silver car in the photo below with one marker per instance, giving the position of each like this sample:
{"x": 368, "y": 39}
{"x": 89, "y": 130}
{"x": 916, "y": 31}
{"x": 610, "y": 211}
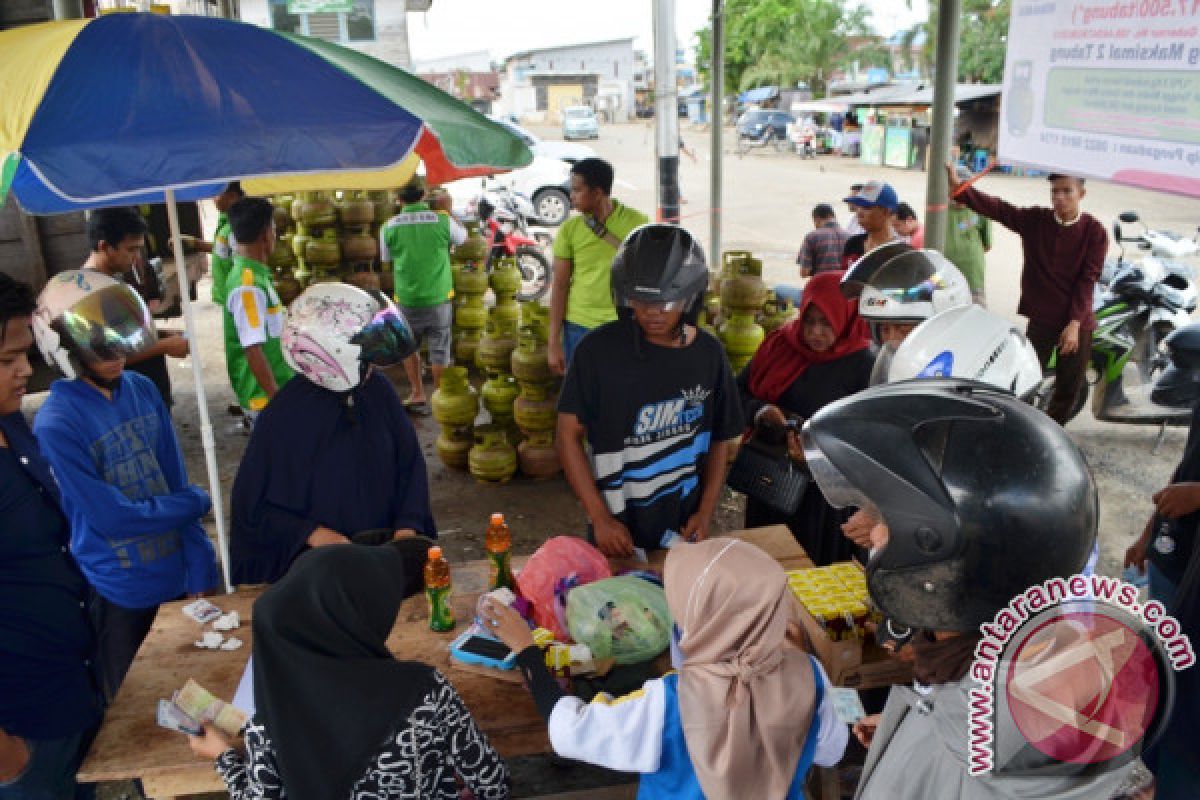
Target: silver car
{"x": 579, "y": 122}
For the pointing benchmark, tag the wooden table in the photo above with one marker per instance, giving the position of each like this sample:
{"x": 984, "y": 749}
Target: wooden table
{"x": 130, "y": 744}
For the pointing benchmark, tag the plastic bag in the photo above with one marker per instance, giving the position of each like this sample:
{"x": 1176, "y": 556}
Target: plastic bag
{"x": 625, "y": 618}
{"x": 560, "y": 564}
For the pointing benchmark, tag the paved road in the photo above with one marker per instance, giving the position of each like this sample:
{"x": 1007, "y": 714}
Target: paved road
{"x": 768, "y": 199}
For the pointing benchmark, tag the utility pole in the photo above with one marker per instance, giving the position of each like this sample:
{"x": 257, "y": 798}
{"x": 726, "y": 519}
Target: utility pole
{"x": 666, "y": 111}
{"x": 68, "y": 9}
{"x": 716, "y": 73}
{"x": 945, "y": 85}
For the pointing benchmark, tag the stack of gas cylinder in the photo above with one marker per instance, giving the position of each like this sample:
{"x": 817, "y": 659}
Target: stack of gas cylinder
{"x": 329, "y": 236}
{"x": 470, "y": 285}
{"x": 535, "y": 408}
{"x": 747, "y": 310}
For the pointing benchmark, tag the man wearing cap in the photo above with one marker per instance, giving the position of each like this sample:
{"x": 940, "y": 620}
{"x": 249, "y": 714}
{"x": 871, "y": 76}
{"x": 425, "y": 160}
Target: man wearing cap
{"x": 874, "y": 203}
{"x": 1064, "y": 252}
{"x": 418, "y": 241}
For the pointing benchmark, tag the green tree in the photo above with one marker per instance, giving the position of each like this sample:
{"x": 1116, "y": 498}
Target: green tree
{"x": 982, "y": 39}
{"x": 782, "y": 42}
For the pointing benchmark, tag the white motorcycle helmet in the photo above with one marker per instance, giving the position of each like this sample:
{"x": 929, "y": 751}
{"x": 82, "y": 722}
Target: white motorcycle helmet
{"x": 969, "y": 342}
{"x": 335, "y": 330}
{"x": 84, "y": 316}
{"x": 909, "y": 287}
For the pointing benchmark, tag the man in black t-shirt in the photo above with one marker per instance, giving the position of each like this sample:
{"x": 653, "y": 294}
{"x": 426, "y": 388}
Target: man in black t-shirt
{"x": 654, "y": 398}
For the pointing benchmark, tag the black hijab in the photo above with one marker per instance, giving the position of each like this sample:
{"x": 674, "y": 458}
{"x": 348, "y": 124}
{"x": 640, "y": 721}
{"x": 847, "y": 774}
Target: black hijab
{"x": 326, "y": 688}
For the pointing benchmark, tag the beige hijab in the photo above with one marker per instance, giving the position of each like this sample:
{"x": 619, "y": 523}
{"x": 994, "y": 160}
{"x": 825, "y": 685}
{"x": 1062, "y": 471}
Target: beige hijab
{"x": 746, "y": 687}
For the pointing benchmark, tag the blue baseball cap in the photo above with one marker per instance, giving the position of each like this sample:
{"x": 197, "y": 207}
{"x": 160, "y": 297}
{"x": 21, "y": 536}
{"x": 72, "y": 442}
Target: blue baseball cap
{"x": 875, "y": 194}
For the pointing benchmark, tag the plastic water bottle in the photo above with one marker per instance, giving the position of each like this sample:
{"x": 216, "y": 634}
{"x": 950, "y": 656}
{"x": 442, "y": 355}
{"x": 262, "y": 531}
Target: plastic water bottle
{"x": 438, "y": 590}
{"x": 498, "y": 543}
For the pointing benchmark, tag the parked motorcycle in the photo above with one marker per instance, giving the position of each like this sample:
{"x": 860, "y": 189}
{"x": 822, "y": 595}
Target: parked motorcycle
{"x": 768, "y": 138}
{"x": 1164, "y": 245}
{"x": 508, "y": 235}
{"x": 1135, "y": 314}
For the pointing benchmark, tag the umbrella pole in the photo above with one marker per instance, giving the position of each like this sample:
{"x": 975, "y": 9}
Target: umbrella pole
{"x": 206, "y": 429}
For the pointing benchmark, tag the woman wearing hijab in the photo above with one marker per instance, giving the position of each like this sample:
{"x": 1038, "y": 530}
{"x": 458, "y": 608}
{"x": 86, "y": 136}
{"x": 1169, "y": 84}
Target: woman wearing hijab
{"x": 747, "y": 713}
{"x": 334, "y": 454}
{"x": 816, "y": 359}
{"x": 336, "y": 716}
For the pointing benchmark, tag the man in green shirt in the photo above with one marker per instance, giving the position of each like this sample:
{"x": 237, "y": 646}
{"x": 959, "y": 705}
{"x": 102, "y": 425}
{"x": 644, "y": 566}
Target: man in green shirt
{"x": 581, "y": 297}
{"x": 417, "y": 243}
{"x": 253, "y": 355}
{"x": 968, "y": 238}
{"x": 223, "y": 241}
{"x": 220, "y": 249}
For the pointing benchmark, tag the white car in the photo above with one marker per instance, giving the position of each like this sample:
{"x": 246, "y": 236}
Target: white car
{"x": 566, "y": 151}
{"x": 546, "y": 182}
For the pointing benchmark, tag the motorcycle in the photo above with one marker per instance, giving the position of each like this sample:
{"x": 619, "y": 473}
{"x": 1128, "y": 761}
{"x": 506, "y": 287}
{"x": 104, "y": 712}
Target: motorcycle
{"x": 1167, "y": 246}
{"x": 804, "y": 140}
{"x": 767, "y": 138}
{"x": 1135, "y": 314}
{"x": 508, "y": 235}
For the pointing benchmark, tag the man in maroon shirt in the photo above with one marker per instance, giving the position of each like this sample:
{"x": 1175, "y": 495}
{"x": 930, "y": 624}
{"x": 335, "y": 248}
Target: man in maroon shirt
{"x": 1064, "y": 252}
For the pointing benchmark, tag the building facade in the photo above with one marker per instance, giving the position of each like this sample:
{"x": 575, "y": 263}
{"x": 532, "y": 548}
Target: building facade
{"x": 536, "y": 85}
{"x": 378, "y": 28}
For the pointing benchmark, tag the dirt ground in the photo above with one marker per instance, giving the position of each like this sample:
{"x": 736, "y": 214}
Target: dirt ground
{"x": 766, "y": 206}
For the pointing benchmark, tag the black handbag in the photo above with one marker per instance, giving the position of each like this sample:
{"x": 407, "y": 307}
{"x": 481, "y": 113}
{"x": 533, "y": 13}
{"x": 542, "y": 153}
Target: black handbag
{"x": 769, "y": 475}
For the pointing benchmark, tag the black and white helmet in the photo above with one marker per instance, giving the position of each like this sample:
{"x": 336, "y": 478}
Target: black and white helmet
{"x": 910, "y": 286}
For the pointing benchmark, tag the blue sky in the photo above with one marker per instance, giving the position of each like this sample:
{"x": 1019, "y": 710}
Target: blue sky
{"x": 504, "y": 28}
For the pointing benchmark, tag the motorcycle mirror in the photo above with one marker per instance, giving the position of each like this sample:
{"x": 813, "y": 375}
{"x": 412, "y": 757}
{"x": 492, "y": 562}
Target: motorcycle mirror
{"x": 1117, "y": 232}
{"x": 1128, "y": 216}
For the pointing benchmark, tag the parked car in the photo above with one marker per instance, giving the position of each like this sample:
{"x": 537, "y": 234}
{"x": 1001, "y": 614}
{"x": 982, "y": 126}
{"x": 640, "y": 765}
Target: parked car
{"x": 754, "y": 124}
{"x": 579, "y": 122}
{"x": 566, "y": 151}
{"x": 546, "y": 182}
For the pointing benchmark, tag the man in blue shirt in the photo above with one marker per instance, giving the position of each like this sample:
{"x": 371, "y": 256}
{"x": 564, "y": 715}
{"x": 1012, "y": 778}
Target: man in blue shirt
{"x": 135, "y": 519}
{"x": 49, "y": 700}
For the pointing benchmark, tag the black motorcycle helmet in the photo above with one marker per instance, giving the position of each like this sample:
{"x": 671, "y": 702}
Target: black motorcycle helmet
{"x": 983, "y": 495}
{"x": 660, "y": 263}
{"x": 1179, "y": 384}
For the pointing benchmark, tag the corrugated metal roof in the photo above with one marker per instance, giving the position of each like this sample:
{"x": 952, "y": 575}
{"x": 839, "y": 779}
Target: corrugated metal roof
{"x": 916, "y": 96}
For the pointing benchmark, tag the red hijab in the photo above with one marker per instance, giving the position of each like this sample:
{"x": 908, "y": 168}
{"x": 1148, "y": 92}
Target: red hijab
{"x": 784, "y": 356}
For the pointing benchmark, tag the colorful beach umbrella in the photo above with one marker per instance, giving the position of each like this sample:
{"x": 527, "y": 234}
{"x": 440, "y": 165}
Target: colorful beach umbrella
{"x": 142, "y": 108}
{"x": 113, "y": 110}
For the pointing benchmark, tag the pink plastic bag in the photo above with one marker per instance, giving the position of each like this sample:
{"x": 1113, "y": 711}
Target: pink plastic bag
{"x": 559, "y": 565}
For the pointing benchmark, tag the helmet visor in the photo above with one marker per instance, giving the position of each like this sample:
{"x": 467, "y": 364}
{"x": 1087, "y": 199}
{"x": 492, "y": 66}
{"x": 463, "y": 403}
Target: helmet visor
{"x": 913, "y": 277}
{"x": 838, "y": 491}
{"x": 386, "y": 340}
{"x": 638, "y": 304}
{"x": 107, "y": 324}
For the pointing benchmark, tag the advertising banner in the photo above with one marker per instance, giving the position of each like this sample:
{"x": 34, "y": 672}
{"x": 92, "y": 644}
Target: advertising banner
{"x": 318, "y": 6}
{"x": 1108, "y": 90}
